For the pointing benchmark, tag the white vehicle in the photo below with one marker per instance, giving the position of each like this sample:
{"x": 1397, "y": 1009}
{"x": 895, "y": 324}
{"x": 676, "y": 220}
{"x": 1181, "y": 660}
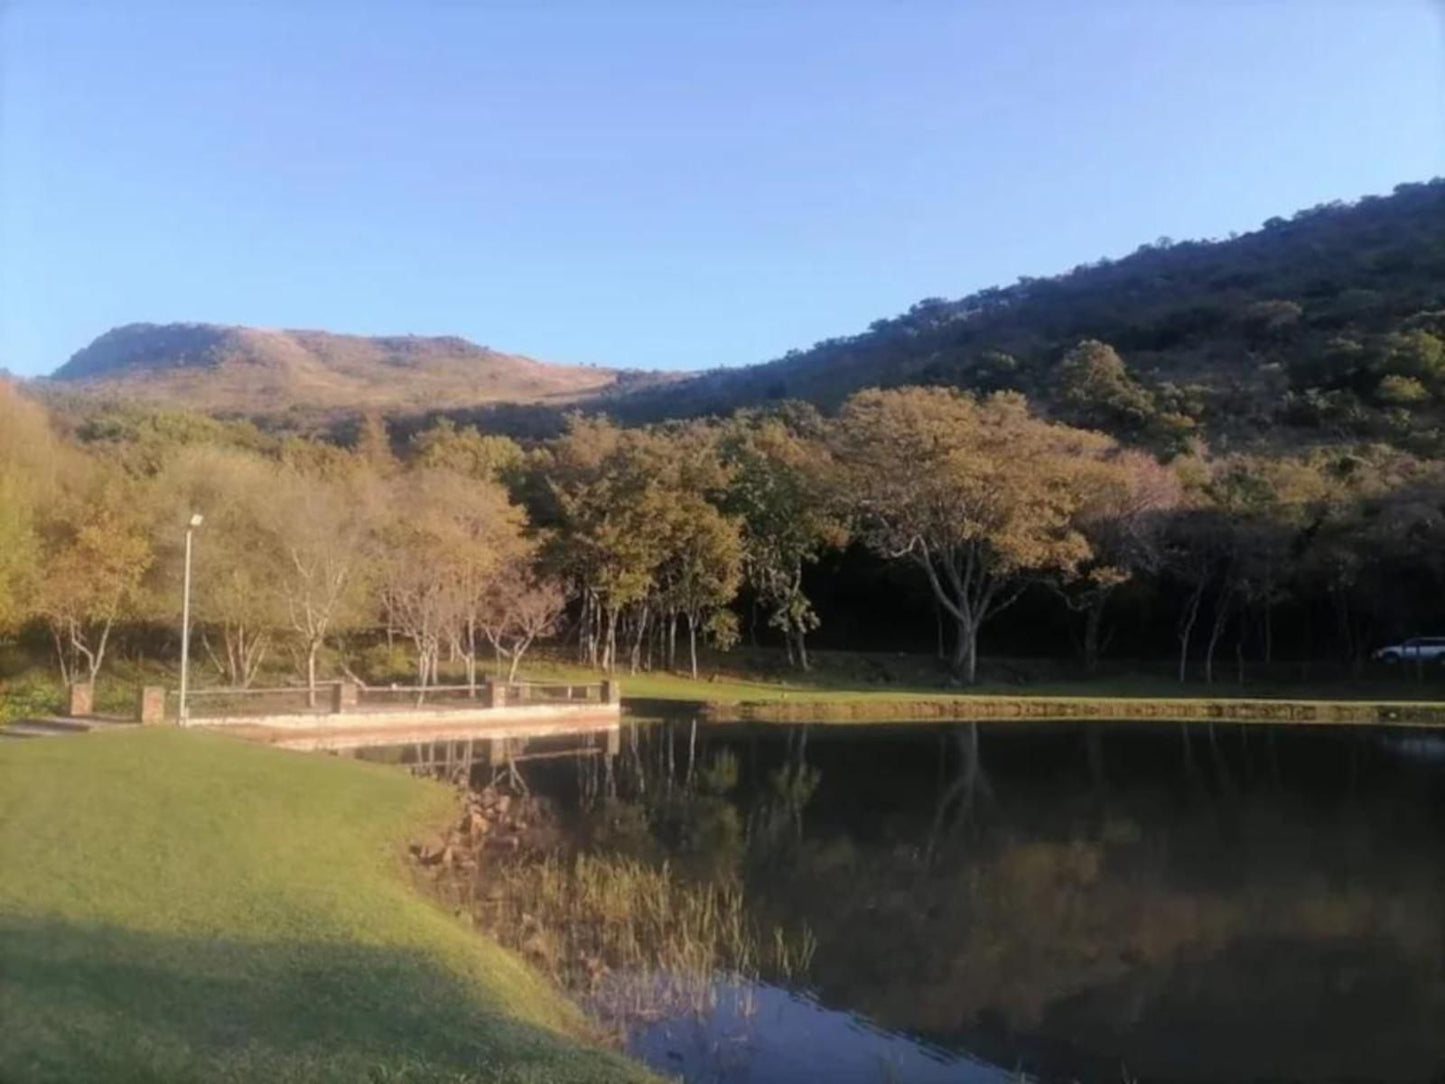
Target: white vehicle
{"x": 1416, "y": 649}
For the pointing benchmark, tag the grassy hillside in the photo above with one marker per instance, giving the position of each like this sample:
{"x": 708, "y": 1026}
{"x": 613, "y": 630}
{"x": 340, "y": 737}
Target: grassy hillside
{"x": 184, "y": 907}
{"x": 1329, "y": 324}
{"x": 255, "y": 371}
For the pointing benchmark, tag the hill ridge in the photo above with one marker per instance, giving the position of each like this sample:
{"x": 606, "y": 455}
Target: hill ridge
{"x": 245, "y": 369}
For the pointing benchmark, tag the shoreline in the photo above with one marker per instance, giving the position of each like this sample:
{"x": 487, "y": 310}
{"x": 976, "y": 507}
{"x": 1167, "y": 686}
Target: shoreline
{"x": 1043, "y": 708}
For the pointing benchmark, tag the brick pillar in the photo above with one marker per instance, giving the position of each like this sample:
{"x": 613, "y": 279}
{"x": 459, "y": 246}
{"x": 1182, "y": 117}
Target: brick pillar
{"x": 151, "y": 711}
{"x": 494, "y": 695}
{"x": 81, "y": 701}
{"x": 611, "y": 692}
{"x": 345, "y": 696}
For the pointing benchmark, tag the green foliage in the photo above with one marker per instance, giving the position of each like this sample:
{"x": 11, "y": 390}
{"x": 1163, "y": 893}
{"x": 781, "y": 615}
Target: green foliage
{"x": 1095, "y": 390}
{"x": 1397, "y": 390}
{"x": 1213, "y": 316}
{"x": 468, "y": 453}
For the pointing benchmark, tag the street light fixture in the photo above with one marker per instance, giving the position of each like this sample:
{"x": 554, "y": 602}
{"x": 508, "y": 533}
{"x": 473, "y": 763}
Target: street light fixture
{"x": 183, "y": 713}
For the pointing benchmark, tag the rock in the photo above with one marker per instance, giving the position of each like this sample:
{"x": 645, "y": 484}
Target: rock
{"x": 430, "y": 852}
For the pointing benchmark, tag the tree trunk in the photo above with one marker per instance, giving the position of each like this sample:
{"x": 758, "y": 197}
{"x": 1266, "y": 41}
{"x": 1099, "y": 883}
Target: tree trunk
{"x": 692, "y": 643}
{"x": 311, "y": 651}
{"x": 636, "y": 654}
{"x": 965, "y": 651}
{"x": 1186, "y": 628}
{"x": 1216, "y": 630}
{"x": 519, "y": 648}
{"x": 1093, "y": 632}
{"x": 803, "y": 663}
{"x": 1239, "y": 648}
{"x": 609, "y": 641}
{"x": 60, "y": 655}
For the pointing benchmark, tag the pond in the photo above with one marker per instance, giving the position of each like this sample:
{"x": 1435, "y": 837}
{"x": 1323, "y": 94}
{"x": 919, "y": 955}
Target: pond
{"x": 1003, "y": 902}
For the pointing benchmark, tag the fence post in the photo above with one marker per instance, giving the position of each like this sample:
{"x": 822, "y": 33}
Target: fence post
{"x": 81, "y": 701}
{"x": 494, "y": 695}
{"x": 611, "y": 692}
{"x": 344, "y": 696}
{"x": 151, "y": 709}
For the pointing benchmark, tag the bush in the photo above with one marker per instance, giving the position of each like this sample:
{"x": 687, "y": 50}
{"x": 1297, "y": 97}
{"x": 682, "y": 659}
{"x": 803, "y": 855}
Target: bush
{"x": 1397, "y": 390}
{"x": 28, "y": 697}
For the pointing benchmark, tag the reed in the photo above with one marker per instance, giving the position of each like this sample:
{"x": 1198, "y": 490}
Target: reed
{"x": 633, "y": 939}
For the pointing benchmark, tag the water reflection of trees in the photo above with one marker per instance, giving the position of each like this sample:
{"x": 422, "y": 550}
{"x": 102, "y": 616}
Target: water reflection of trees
{"x": 1202, "y": 927}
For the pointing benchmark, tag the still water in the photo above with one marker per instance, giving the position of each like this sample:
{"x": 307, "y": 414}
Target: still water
{"x": 1143, "y": 901}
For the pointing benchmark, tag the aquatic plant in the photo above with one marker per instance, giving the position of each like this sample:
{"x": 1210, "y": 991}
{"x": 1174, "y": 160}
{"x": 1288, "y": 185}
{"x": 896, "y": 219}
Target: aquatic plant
{"x": 636, "y": 939}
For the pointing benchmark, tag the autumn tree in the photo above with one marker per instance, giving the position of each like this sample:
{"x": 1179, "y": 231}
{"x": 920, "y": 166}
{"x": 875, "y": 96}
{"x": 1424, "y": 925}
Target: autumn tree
{"x": 520, "y": 605}
{"x": 981, "y": 496}
{"x": 699, "y": 574}
{"x": 607, "y": 504}
{"x": 29, "y": 464}
{"x": 781, "y": 487}
{"x": 240, "y": 560}
{"x": 94, "y": 554}
{"x": 637, "y": 529}
{"x": 467, "y": 452}
{"x": 1123, "y": 512}
{"x": 325, "y": 523}
{"x": 445, "y": 540}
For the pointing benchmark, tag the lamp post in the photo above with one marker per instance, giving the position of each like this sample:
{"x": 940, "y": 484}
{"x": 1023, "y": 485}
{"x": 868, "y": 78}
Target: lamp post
{"x": 196, "y": 520}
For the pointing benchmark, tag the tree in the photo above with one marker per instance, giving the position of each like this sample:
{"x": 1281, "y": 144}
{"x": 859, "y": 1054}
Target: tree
{"x": 1123, "y": 514}
{"x": 781, "y": 488}
{"x": 699, "y": 574}
{"x": 240, "y": 559}
{"x": 1096, "y": 390}
{"x": 520, "y": 605}
{"x": 608, "y": 502}
{"x": 325, "y": 524}
{"x": 29, "y": 462}
{"x": 979, "y": 495}
{"x": 467, "y": 452}
{"x": 445, "y": 541}
{"x": 94, "y": 555}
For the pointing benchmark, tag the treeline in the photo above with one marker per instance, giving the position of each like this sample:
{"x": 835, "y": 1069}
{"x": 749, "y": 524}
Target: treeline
{"x": 1329, "y": 323}
{"x": 640, "y": 545}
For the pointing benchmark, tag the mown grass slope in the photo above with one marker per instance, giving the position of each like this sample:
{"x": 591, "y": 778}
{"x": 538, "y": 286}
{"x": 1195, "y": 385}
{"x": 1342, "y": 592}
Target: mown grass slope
{"x": 177, "y": 906}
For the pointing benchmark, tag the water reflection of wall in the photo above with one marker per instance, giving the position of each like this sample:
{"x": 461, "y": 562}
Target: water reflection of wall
{"x": 1192, "y": 905}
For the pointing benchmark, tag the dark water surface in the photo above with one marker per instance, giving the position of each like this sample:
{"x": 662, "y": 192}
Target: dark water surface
{"x": 1142, "y": 901}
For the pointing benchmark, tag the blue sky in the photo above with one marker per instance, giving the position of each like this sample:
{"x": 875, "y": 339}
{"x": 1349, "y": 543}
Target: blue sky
{"x": 670, "y": 185}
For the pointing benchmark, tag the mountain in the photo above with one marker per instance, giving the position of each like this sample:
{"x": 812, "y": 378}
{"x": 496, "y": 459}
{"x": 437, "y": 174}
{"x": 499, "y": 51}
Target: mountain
{"x": 256, "y": 371}
{"x": 1328, "y": 324}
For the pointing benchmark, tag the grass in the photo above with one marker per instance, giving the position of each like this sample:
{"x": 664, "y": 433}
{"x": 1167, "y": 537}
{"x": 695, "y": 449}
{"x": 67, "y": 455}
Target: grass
{"x": 185, "y": 907}
{"x": 875, "y": 679}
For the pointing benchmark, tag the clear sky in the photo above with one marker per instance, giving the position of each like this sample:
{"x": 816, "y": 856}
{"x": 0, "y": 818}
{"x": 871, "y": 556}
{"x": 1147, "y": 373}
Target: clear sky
{"x": 669, "y": 184}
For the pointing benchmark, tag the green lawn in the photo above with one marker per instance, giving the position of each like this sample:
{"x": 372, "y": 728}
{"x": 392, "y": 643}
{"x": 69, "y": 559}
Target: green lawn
{"x": 882, "y": 678}
{"x": 185, "y": 907}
